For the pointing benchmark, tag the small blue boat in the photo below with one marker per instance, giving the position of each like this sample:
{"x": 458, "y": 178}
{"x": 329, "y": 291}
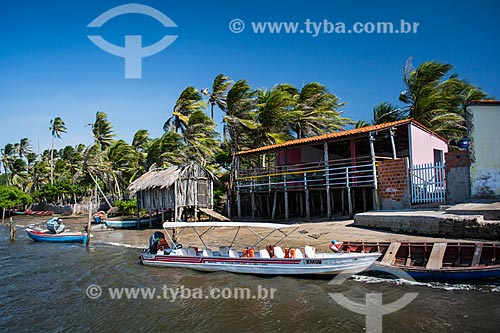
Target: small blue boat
{"x": 47, "y": 236}
{"x": 127, "y": 224}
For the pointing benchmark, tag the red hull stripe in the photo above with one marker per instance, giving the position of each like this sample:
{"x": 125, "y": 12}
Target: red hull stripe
{"x": 201, "y": 260}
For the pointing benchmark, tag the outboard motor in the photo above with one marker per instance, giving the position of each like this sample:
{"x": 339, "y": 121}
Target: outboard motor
{"x": 55, "y": 225}
{"x": 154, "y": 240}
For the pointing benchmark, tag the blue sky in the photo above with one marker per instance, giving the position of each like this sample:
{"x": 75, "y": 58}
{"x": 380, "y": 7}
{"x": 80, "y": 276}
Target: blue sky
{"x": 50, "y": 68}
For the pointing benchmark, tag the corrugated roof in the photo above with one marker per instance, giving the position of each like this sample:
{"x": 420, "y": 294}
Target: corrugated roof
{"x": 324, "y": 137}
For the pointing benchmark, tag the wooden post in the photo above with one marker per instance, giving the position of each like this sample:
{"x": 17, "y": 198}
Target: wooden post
{"x": 89, "y": 224}
{"x": 308, "y": 208}
{"x": 150, "y": 219}
{"x": 393, "y": 145}
{"x": 252, "y": 198}
{"x": 342, "y": 200}
{"x": 285, "y": 190}
{"x": 3, "y": 215}
{"x": 365, "y": 203}
{"x": 275, "y": 200}
{"x": 327, "y": 179}
{"x": 374, "y": 172}
{"x": 349, "y": 198}
{"x": 175, "y": 202}
{"x": 12, "y": 229}
{"x": 238, "y": 194}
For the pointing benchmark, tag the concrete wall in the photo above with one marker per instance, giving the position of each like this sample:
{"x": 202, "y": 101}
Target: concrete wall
{"x": 483, "y": 125}
{"x": 423, "y": 145}
{"x": 392, "y": 177}
{"x": 457, "y": 176}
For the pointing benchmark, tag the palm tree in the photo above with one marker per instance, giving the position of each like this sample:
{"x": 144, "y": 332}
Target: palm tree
{"x": 316, "y": 112}
{"x": 240, "y": 114}
{"x": 436, "y": 99}
{"x": 8, "y": 157}
{"x": 24, "y": 147}
{"x": 201, "y": 139}
{"x": 102, "y": 130}
{"x": 386, "y": 112}
{"x": 273, "y": 114}
{"x": 57, "y": 127}
{"x": 218, "y": 96}
{"x": 189, "y": 101}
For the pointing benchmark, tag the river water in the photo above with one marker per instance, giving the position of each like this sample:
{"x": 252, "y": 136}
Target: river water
{"x": 43, "y": 288}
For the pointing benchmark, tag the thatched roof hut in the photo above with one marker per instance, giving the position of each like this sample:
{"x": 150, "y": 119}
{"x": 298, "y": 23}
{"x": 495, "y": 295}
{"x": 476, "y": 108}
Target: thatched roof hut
{"x": 176, "y": 187}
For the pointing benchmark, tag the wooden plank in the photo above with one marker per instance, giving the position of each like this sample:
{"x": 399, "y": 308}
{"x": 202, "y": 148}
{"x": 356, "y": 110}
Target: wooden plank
{"x": 214, "y": 214}
{"x": 390, "y": 254}
{"x": 477, "y": 254}
{"x": 436, "y": 257}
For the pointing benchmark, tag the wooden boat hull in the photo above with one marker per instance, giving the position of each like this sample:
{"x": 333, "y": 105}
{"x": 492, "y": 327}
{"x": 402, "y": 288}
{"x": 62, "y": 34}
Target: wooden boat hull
{"x": 330, "y": 264}
{"x": 39, "y": 212}
{"x": 47, "y": 236}
{"x": 455, "y": 262}
{"x": 125, "y": 224}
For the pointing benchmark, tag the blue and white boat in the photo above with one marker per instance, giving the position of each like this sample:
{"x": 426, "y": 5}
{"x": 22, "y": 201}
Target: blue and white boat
{"x": 127, "y": 224}
{"x": 65, "y": 237}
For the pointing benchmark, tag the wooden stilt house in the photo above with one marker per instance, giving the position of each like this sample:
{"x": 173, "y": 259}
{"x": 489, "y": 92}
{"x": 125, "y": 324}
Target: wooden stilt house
{"x": 174, "y": 190}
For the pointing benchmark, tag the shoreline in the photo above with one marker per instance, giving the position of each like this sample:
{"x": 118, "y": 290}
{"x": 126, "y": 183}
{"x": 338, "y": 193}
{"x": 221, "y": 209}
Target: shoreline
{"x": 317, "y": 234}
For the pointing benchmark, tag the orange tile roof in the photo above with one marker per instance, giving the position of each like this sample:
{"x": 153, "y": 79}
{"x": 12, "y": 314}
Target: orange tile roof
{"x": 329, "y": 136}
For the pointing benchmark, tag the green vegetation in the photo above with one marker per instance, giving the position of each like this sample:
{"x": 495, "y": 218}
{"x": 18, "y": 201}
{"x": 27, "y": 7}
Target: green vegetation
{"x": 126, "y": 207}
{"x": 12, "y": 197}
{"x": 251, "y": 118}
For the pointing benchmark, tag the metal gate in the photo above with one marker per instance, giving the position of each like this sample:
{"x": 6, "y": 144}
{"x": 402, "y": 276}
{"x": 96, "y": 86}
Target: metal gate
{"x": 428, "y": 184}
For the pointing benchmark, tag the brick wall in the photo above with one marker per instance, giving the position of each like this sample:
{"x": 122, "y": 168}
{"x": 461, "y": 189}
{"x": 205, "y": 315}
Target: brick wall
{"x": 457, "y": 176}
{"x": 393, "y": 184}
{"x": 456, "y": 159}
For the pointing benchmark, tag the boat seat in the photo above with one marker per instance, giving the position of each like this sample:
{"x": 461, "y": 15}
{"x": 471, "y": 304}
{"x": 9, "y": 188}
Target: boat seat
{"x": 207, "y": 253}
{"x": 298, "y": 254}
{"x": 224, "y": 251}
{"x": 233, "y": 253}
{"x": 264, "y": 254}
{"x": 191, "y": 252}
{"x": 310, "y": 251}
{"x": 180, "y": 252}
{"x": 278, "y": 252}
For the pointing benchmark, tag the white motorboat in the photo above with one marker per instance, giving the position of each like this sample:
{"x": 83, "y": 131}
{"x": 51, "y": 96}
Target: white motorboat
{"x": 272, "y": 260}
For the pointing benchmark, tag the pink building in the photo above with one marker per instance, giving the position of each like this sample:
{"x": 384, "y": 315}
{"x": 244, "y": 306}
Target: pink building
{"x": 335, "y": 173}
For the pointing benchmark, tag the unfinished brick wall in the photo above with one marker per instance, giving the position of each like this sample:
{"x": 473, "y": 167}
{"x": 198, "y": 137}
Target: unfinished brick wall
{"x": 393, "y": 184}
{"x": 457, "y": 176}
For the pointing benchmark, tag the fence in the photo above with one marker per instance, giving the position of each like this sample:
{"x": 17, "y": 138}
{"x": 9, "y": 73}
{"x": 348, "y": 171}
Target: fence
{"x": 428, "y": 184}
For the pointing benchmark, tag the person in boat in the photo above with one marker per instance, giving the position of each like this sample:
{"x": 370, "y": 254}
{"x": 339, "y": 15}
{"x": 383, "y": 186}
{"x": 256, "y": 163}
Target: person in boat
{"x": 99, "y": 217}
{"x": 157, "y": 242}
{"x": 335, "y": 246}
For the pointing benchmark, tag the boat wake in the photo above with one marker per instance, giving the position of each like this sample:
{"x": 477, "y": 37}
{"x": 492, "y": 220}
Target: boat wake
{"x": 433, "y": 285}
{"x": 120, "y": 245}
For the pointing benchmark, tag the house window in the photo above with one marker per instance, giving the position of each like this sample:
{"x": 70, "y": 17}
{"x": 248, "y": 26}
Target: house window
{"x": 438, "y": 156}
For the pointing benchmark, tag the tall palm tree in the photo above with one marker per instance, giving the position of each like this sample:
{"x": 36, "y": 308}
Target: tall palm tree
{"x": 57, "y": 127}
{"x": 218, "y": 95}
{"x": 435, "y": 98}
{"x": 189, "y": 101}
{"x": 240, "y": 114}
{"x": 316, "y": 112}
{"x": 8, "y": 157}
{"x": 102, "y": 131}
{"x": 273, "y": 114}
{"x": 201, "y": 139}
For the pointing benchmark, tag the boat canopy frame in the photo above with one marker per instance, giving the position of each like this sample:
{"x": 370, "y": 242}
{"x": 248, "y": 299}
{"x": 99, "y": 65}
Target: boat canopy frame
{"x": 275, "y": 227}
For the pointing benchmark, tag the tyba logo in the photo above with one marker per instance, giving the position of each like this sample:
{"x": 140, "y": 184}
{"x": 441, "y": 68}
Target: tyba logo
{"x": 133, "y": 52}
